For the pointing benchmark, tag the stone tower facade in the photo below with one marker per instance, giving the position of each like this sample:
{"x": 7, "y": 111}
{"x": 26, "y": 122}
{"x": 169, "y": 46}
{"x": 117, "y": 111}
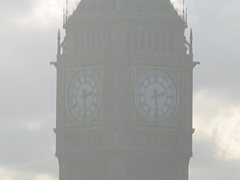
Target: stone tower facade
{"x": 124, "y": 92}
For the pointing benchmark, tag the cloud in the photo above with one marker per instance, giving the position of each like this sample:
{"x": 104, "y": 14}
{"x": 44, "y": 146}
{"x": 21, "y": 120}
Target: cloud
{"x": 28, "y": 148}
{"x": 28, "y": 38}
{"x": 16, "y": 7}
{"x": 215, "y": 46}
{"x": 44, "y": 177}
{"x": 216, "y": 119}
{"x": 27, "y": 76}
{"x": 178, "y": 4}
{"x": 27, "y": 93}
{"x": 32, "y": 15}
{"x": 7, "y": 174}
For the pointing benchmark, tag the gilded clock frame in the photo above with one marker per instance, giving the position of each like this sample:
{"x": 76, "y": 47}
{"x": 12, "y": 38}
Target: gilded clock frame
{"x": 97, "y": 119}
{"x": 174, "y": 73}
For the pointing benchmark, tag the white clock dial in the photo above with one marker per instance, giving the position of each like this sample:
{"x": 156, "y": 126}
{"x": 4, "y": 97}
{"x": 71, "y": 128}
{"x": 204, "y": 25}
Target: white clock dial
{"x": 83, "y": 95}
{"x": 155, "y": 95}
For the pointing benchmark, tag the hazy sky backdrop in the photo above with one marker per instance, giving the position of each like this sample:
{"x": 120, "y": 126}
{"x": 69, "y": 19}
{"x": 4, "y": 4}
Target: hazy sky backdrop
{"x": 28, "y": 41}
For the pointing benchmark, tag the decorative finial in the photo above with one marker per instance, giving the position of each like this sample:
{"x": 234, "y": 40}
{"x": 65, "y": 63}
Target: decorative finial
{"x": 191, "y": 42}
{"x": 183, "y": 6}
{"x": 66, "y": 10}
{"x": 63, "y": 16}
{"x": 65, "y": 13}
{"x": 186, "y": 15}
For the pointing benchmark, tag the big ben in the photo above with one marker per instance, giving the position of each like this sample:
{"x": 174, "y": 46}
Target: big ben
{"x": 124, "y": 92}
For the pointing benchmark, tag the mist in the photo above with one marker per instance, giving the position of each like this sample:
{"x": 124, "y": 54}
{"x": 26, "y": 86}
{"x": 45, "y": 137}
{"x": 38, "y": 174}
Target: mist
{"x": 116, "y": 68}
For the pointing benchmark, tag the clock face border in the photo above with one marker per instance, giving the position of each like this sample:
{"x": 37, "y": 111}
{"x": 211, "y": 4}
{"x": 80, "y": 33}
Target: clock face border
{"x": 70, "y": 75}
{"x": 174, "y": 75}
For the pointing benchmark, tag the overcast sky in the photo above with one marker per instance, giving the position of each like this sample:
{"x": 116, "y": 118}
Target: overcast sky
{"x": 28, "y": 34}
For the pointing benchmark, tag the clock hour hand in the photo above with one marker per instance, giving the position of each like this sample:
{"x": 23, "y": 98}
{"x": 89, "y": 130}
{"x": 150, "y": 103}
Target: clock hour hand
{"x": 156, "y": 95}
{"x": 85, "y": 94}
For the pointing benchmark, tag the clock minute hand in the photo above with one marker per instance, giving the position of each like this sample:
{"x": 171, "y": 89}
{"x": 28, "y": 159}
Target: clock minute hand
{"x": 84, "y": 96}
{"x": 155, "y": 96}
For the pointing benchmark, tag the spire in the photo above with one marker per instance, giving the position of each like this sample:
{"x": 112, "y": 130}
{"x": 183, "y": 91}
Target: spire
{"x": 58, "y": 43}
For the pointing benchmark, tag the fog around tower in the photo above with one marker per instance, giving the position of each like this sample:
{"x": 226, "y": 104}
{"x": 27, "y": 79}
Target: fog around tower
{"x": 28, "y": 44}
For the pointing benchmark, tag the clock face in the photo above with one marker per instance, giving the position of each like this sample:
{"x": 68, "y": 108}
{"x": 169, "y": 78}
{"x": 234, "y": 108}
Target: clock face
{"x": 155, "y": 95}
{"x": 83, "y": 95}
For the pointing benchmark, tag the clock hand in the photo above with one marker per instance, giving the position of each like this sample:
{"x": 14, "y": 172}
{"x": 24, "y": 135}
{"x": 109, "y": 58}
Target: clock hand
{"x": 84, "y": 96}
{"x": 156, "y": 96}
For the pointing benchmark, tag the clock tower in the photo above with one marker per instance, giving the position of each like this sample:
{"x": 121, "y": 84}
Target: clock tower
{"x": 124, "y": 92}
